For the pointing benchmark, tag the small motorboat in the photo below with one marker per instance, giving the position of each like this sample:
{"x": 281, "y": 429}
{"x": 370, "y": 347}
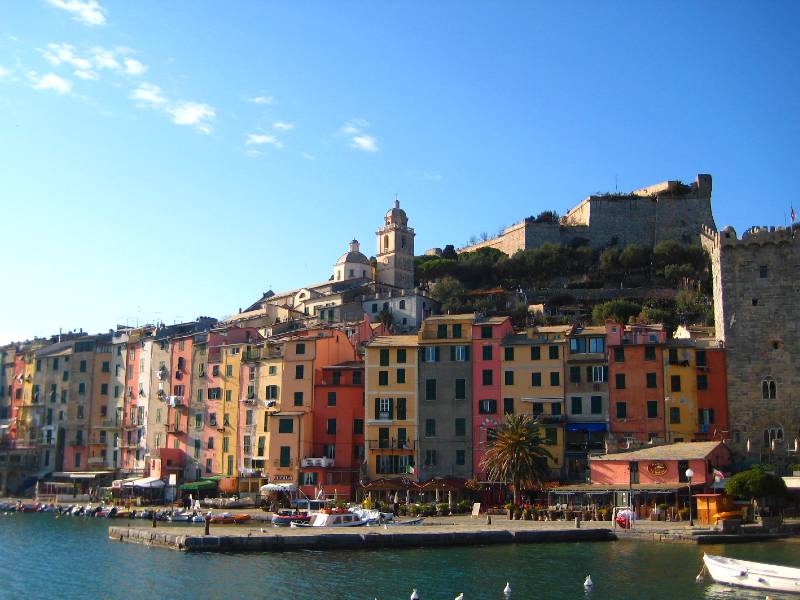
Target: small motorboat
{"x": 335, "y": 517}
{"x": 285, "y": 517}
{"x": 124, "y": 514}
{"x": 181, "y": 516}
{"x": 760, "y": 576}
{"x": 410, "y": 522}
{"x": 228, "y": 519}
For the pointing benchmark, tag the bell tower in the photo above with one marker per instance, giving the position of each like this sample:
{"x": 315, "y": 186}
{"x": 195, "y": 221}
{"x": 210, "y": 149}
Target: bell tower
{"x": 395, "y": 256}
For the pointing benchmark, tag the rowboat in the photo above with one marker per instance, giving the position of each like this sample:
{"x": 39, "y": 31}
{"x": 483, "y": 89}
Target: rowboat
{"x": 761, "y": 576}
{"x": 227, "y": 519}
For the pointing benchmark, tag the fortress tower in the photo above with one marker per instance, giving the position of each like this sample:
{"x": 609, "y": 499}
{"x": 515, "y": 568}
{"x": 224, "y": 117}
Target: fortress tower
{"x": 396, "y": 250}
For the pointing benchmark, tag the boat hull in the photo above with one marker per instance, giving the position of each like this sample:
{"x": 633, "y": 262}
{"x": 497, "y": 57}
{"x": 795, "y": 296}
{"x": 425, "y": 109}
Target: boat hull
{"x": 760, "y": 576}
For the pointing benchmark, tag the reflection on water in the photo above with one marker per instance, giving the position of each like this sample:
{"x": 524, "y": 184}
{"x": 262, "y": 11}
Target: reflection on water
{"x": 72, "y": 558}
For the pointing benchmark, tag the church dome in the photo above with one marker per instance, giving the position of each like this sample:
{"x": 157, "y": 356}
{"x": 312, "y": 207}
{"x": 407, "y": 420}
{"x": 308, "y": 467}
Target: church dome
{"x": 354, "y": 256}
{"x": 396, "y": 215}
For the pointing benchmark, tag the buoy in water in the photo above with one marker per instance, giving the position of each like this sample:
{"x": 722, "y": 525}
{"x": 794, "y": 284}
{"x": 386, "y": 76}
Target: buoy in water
{"x": 588, "y": 583}
{"x": 507, "y": 589}
{"x": 414, "y": 594}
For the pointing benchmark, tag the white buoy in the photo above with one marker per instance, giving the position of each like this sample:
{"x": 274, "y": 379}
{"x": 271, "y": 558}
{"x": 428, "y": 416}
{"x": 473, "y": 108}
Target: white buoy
{"x": 507, "y": 589}
{"x": 588, "y": 583}
{"x": 460, "y": 596}
{"x": 414, "y": 594}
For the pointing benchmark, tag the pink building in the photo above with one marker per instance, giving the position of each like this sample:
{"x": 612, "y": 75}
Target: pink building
{"x": 661, "y": 465}
{"x": 487, "y": 335}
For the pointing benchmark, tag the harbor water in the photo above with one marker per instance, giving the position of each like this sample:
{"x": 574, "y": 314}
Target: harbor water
{"x": 72, "y": 557}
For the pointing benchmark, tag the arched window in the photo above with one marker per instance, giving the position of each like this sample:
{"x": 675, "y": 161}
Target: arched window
{"x": 386, "y": 242}
{"x": 769, "y": 390}
{"x": 774, "y": 433}
{"x": 403, "y": 242}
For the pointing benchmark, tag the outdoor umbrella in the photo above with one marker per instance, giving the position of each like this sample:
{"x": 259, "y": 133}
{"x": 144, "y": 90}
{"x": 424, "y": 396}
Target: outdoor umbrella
{"x": 408, "y": 496}
{"x": 437, "y": 495}
{"x": 450, "y": 500}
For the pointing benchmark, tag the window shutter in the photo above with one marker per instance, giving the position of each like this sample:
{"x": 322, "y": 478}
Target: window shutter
{"x": 437, "y": 354}
{"x": 401, "y": 408}
{"x": 605, "y": 373}
{"x": 391, "y": 408}
{"x": 466, "y": 352}
{"x": 377, "y": 408}
{"x": 452, "y": 353}
{"x": 421, "y": 352}
{"x": 589, "y": 374}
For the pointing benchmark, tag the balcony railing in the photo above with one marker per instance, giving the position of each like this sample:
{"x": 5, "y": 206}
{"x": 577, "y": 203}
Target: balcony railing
{"x": 253, "y": 354}
{"x": 390, "y": 444}
{"x": 318, "y": 462}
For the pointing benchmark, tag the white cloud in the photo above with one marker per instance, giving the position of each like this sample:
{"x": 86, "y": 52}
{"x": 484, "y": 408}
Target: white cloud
{"x": 192, "y": 113}
{"x": 56, "y": 54}
{"x": 253, "y": 153}
{"x": 282, "y": 125}
{"x": 366, "y": 143}
{"x": 50, "y": 81}
{"x": 353, "y": 127}
{"x": 259, "y": 139}
{"x": 148, "y": 92}
{"x": 104, "y": 59}
{"x": 86, "y": 75}
{"x": 88, "y": 12}
{"x": 4, "y": 72}
{"x": 308, "y": 156}
{"x": 262, "y": 100}
{"x": 134, "y": 67}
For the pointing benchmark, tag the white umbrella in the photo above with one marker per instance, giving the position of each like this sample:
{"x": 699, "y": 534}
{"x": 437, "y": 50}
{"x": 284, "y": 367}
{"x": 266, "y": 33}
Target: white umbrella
{"x": 408, "y": 496}
{"x": 450, "y": 499}
{"x": 397, "y": 497}
{"x": 437, "y": 495}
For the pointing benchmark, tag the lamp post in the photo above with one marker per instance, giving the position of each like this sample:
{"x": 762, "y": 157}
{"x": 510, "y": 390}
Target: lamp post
{"x": 689, "y": 475}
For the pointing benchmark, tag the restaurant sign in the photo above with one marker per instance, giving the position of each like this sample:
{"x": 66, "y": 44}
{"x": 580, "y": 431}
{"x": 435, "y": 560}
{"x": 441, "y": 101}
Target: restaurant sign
{"x": 657, "y": 468}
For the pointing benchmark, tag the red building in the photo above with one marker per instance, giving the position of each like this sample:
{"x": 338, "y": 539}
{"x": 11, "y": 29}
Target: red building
{"x": 338, "y": 432}
{"x": 636, "y": 383}
{"x": 712, "y": 393}
{"x": 180, "y": 393}
{"x": 487, "y": 335}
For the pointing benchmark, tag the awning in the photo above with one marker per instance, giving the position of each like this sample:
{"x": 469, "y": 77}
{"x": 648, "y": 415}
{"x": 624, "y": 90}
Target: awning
{"x": 278, "y": 487}
{"x": 80, "y": 474}
{"x": 146, "y": 482}
{"x": 118, "y": 483}
{"x": 594, "y": 427}
{"x": 196, "y": 486}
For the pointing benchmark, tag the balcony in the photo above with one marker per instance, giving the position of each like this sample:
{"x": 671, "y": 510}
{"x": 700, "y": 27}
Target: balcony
{"x": 109, "y": 424}
{"x": 98, "y": 442}
{"x": 175, "y": 428}
{"x": 252, "y": 354}
{"x": 318, "y": 462}
{"x": 176, "y": 401}
{"x": 545, "y": 418}
{"x": 95, "y": 460}
{"x": 398, "y": 445}
{"x": 250, "y": 400}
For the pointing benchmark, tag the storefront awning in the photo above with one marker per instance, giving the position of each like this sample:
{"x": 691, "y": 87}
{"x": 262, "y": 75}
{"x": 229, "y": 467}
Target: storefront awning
{"x": 593, "y": 427}
{"x": 196, "y": 486}
{"x": 146, "y": 482}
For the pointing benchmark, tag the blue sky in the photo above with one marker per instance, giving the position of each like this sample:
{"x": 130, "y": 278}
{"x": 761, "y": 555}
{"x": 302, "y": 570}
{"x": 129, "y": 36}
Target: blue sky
{"x": 164, "y": 160}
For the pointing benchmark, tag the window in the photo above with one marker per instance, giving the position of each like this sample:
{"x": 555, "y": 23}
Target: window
{"x": 486, "y": 332}
{"x": 596, "y": 405}
{"x": 331, "y": 427}
{"x": 286, "y": 456}
{"x": 65, "y": 376}
{"x": 652, "y": 409}
{"x": 769, "y": 390}
{"x": 383, "y": 409}
{"x": 215, "y": 371}
{"x": 619, "y": 380}
{"x": 508, "y": 406}
{"x": 158, "y": 415}
{"x": 430, "y": 389}
{"x": 402, "y": 305}
{"x": 384, "y": 357}
{"x": 576, "y": 406}
{"x": 300, "y": 348}
{"x": 536, "y": 379}
{"x": 271, "y": 392}
{"x": 106, "y": 367}
{"x": 104, "y": 389}
{"x": 651, "y": 380}
{"x": 197, "y": 448}
{"x": 212, "y": 419}
{"x": 401, "y": 355}
{"x": 82, "y": 366}
{"x": 285, "y": 425}
{"x": 228, "y": 395}
{"x": 77, "y": 460}
{"x": 299, "y": 371}
{"x": 674, "y": 415}
{"x": 461, "y": 427}
{"x": 597, "y": 374}
{"x": 622, "y": 410}
{"x": 228, "y": 370}
{"x": 401, "y": 409}
{"x": 649, "y": 352}
{"x": 457, "y": 331}
{"x": 331, "y": 398}
{"x": 226, "y": 443}
{"x": 430, "y": 458}
{"x": 298, "y": 398}
{"x": 577, "y": 345}
{"x": 555, "y": 408}
{"x": 536, "y": 353}
{"x": 198, "y": 421}
{"x": 401, "y": 375}
{"x": 702, "y": 382}
{"x": 461, "y": 457}
{"x": 550, "y": 436}
{"x": 461, "y": 389}
{"x": 430, "y": 427}
{"x": 705, "y": 416}
{"x": 214, "y": 393}
{"x": 508, "y": 353}
{"x": 633, "y": 469}
{"x": 487, "y": 407}
{"x": 441, "y": 331}
{"x": 552, "y": 352}
{"x": 383, "y": 377}
{"x": 248, "y": 417}
{"x": 430, "y": 354}
{"x": 574, "y": 374}
{"x": 357, "y": 377}
{"x": 209, "y": 465}
{"x": 701, "y": 358}
{"x": 763, "y": 271}
{"x": 487, "y": 376}
{"x": 358, "y": 426}
{"x": 673, "y": 356}
{"x": 81, "y": 388}
{"x": 619, "y": 354}
{"x": 508, "y": 377}
{"x": 597, "y": 345}
{"x": 675, "y": 383}
{"x": 226, "y": 420}
{"x": 459, "y": 353}
{"x": 273, "y": 370}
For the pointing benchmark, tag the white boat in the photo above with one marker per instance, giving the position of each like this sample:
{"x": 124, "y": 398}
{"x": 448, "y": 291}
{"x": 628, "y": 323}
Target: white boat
{"x": 334, "y": 518}
{"x": 754, "y": 575}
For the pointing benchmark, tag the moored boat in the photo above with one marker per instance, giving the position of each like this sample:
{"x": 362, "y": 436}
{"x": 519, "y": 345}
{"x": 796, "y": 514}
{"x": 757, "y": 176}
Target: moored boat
{"x": 227, "y": 519}
{"x": 285, "y": 517}
{"x": 761, "y": 576}
{"x": 335, "y": 517}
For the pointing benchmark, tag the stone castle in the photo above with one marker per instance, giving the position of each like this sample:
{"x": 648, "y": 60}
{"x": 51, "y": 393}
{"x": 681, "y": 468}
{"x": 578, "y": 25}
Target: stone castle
{"x": 669, "y": 210}
{"x": 757, "y": 317}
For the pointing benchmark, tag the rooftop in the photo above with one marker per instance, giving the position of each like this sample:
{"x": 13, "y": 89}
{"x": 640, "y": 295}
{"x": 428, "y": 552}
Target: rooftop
{"x": 677, "y": 451}
{"x": 394, "y": 340}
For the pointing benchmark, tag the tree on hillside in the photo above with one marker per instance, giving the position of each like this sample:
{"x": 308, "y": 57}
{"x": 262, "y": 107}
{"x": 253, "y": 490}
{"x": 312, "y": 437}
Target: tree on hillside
{"x": 450, "y": 293}
{"x": 620, "y": 311}
{"x": 634, "y": 259}
{"x": 515, "y": 454}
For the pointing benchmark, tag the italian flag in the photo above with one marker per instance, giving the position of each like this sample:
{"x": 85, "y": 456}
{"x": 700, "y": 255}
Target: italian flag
{"x": 410, "y": 469}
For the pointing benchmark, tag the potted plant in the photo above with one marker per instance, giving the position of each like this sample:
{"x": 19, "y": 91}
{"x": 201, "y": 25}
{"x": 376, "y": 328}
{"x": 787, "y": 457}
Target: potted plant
{"x": 526, "y": 514}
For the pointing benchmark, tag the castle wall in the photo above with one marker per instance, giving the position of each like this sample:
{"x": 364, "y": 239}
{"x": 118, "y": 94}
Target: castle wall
{"x": 757, "y": 300}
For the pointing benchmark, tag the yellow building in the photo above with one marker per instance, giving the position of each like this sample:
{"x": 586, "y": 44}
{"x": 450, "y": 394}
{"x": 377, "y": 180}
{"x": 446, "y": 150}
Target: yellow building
{"x": 230, "y": 370}
{"x": 390, "y": 433}
{"x": 680, "y": 391}
{"x": 532, "y": 372}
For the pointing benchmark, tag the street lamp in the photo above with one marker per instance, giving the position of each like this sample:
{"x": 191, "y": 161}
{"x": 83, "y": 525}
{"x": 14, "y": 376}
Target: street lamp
{"x": 689, "y": 475}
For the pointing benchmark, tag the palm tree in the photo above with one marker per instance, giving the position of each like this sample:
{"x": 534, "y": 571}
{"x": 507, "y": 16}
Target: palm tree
{"x": 515, "y": 453}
